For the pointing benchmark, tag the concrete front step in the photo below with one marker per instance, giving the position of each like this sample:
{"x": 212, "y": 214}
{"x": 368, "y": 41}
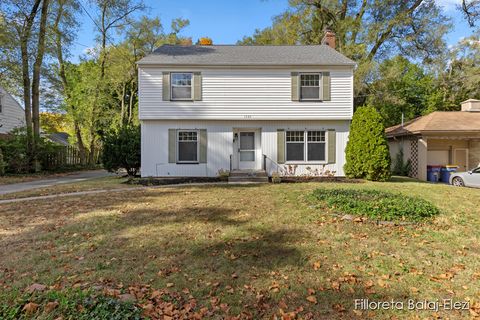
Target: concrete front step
{"x": 248, "y": 173}
{"x": 258, "y": 176}
{"x": 248, "y": 179}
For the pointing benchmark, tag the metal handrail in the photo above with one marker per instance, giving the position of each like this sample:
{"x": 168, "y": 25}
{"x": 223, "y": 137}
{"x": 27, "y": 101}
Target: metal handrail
{"x": 264, "y": 164}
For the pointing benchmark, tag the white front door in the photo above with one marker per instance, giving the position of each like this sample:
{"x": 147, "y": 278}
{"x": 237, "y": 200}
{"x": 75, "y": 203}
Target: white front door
{"x": 246, "y": 151}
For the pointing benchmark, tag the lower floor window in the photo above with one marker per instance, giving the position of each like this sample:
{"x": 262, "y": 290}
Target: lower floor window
{"x": 187, "y": 146}
{"x": 305, "y": 146}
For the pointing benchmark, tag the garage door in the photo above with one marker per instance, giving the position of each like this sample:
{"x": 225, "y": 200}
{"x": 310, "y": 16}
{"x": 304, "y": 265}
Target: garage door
{"x": 437, "y": 157}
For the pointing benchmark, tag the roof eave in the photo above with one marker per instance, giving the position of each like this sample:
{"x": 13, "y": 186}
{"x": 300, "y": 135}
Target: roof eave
{"x": 173, "y": 65}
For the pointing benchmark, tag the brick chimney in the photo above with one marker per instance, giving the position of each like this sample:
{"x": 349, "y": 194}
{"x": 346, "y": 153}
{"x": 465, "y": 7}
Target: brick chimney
{"x": 329, "y": 38}
{"x": 471, "y": 105}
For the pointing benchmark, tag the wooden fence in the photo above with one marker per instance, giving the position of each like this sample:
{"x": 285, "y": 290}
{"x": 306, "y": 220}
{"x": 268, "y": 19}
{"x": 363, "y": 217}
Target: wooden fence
{"x": 61, "y": 156}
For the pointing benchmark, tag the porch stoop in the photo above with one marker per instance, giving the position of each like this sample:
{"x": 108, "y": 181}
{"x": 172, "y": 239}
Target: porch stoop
{"x": 258, "y": 176}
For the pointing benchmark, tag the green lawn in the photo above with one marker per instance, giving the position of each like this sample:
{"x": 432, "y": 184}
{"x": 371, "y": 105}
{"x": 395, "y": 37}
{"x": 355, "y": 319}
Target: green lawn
{"x": 251, "y": 250}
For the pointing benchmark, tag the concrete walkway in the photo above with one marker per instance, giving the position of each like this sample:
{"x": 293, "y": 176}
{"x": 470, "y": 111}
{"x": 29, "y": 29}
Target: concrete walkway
{"x": 82, "y": 193}
{"x": 76, "y": 177}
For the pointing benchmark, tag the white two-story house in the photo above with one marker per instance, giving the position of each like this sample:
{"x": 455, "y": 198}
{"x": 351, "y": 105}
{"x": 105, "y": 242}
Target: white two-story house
{"x": 260, "y": 108}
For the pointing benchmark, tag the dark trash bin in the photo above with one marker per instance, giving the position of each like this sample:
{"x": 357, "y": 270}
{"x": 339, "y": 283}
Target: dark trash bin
{"x": 447, "y": 172}
{"x": 433, "y": 173}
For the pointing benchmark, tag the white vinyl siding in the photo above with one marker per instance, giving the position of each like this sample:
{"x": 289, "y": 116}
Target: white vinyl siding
{"x": 12, "y": 115}
{"x": 220, "y": 145}
{"x": 246, "y": 94}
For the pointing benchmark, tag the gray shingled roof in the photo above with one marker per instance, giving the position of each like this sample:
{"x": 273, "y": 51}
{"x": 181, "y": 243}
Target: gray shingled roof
{"x": 233, "y": 55}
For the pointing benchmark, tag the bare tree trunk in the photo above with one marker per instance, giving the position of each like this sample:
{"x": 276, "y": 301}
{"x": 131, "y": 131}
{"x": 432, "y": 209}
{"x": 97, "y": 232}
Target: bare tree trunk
{"x": 122, "y": 110}
{"x": 36, "y": 81}
{"x": 25, "y": 33}
{"x": 130, "y": 105}
{"x": 65, "y": 84}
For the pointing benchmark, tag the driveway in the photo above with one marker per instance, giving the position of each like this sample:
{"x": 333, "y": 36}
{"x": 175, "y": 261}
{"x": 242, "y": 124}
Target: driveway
{"x": 76, "y": 177}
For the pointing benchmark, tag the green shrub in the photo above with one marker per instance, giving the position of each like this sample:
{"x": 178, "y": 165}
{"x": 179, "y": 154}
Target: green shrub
{"x": 16, "y": 157}
{"x": 375, "y": 204}
{"x": 72, "y": 304}
{"x": 2, "y": 164}
{"x": 121, "y": 150}
{"x": 400, "y": 166}
{"x": 367, "y": 154}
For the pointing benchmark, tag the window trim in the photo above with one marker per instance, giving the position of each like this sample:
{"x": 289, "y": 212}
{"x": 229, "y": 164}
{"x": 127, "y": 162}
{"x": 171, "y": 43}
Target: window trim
{"x": 305, "y": 147}
{"x": 192, "y": 85}
{"x": 320, "y": 80}
{"x": 178, "y": 149}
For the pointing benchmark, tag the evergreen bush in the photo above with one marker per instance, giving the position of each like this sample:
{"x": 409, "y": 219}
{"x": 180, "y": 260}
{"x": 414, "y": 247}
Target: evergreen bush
{"x": 121, "y": 150}
{"x": 400, "y": 166}
{"x": 367, "y": 153}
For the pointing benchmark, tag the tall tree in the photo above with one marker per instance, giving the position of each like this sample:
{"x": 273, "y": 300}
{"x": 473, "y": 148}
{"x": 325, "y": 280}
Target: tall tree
{"x": 29, "y": 47}
{"x": 471, "y": 11}
{"x": 367, "y": 30}
{"x": 401, "y": 87}
{"x": 37, "y": 69}
{"x": 64, "y": 27}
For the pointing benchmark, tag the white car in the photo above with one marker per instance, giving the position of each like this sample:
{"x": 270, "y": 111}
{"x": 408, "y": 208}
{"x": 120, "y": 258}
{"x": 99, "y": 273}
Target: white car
{"x": 466, "y": 179}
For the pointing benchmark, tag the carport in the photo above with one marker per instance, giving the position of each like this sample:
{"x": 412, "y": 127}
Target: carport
{"x": 440, "y": 138}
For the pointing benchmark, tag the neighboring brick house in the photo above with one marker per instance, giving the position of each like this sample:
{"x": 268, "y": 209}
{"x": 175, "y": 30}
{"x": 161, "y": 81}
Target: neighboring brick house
{"x": 439, "y": 138}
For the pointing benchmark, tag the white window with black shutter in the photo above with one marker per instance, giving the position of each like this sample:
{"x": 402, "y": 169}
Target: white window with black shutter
{"x": 306, "y": 146}
{"x": 187, "y": 146}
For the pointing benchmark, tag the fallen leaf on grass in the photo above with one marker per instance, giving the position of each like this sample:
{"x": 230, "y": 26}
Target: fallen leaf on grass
{"x": 35, "y": 287}
{"x": 312, "y": 299}
{"x": 338, "y": 307}
{"x": 443, "y": 276}
{"x": 335, "y": 285}
{"x": 51, "y": 306}
{"x": 316, "y": 265}
{"x": 30, "y": 307}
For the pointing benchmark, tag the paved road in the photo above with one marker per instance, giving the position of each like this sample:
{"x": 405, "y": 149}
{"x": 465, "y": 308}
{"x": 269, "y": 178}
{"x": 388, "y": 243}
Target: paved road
{"x": 76, "y": 177}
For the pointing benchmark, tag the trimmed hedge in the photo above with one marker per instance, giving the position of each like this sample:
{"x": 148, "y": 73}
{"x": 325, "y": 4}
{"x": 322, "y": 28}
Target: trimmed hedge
{"x": 376, "y": 204}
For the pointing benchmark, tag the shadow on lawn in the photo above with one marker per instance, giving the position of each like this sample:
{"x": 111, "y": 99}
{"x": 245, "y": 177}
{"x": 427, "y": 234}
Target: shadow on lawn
{"x": 191, "y": 246}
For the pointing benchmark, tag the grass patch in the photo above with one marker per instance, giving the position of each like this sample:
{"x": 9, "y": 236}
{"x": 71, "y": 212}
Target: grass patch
{"x": 252, "y": 251}
{"x": 68, "y": 304}
{"x": 376, "y": 204}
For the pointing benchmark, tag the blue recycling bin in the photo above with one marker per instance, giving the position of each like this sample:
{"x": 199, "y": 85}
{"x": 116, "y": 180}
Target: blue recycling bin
{"x": 446, "y": 172}
{"x": 433, "y": 173}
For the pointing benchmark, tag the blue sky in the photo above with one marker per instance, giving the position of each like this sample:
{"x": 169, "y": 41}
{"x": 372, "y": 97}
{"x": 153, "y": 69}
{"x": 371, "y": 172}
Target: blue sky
{"x": 227, "y": 21}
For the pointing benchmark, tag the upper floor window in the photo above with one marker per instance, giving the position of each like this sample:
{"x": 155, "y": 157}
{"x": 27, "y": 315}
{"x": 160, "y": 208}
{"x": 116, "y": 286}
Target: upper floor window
{"x": 181, "y": 86}
{"x": 310, "y": 86}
